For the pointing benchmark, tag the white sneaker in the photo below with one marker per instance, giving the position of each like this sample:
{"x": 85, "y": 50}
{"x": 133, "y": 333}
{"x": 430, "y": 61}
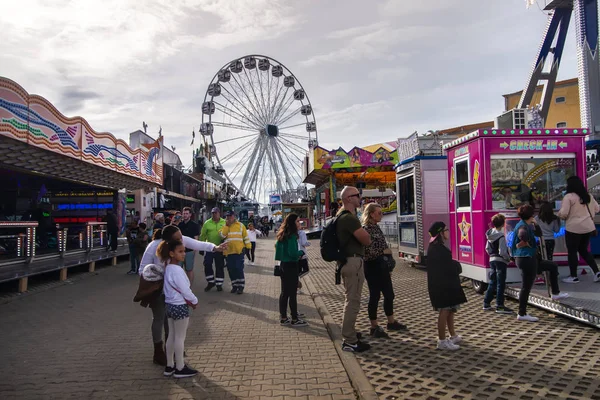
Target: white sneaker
{"x": 456, "y": 339}
{"x": 597, "y": 277}
{"x": 446, "y": 344}
{"x": 527, "y": 318}
{"x": 251, "y": 262}
{"x": 560, "y": 296}
{"x": 571, "y": 279}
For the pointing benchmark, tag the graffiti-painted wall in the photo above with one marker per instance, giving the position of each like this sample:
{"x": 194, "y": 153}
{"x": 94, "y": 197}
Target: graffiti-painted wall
{"x": 34, "y": 120}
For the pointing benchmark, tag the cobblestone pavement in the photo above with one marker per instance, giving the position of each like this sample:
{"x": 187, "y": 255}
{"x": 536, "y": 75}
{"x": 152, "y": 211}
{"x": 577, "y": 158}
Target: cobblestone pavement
{"x": 500, "y": 358}
{"x": 89, "y": 340}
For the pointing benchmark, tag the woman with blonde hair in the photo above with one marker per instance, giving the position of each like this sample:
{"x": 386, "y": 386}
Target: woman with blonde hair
{"x": 378, "y": 264}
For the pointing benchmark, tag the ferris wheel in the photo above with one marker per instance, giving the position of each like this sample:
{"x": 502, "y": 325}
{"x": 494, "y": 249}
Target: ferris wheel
{"x": 261, "y": 125}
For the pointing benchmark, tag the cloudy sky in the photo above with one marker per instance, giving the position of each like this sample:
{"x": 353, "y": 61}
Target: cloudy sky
{"x": 375, "y": 71}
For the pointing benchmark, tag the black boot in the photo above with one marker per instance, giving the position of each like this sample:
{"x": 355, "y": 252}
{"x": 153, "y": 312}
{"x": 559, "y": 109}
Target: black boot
{"x": 160, "y": 357}
{"x": 209, "y": 286}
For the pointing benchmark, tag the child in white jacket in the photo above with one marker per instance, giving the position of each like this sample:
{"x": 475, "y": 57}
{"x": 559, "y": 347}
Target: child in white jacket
{"x": 303, "y": 243}
{"x": 178, "y": 295}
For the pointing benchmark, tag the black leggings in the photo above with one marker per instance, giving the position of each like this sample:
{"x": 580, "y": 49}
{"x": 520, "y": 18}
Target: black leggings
{"x": 251, "y": 251}
{"x": 289, "y": 285}
{"x": 379, "y": 281}
{"x": 528, "y": 268}
{"x": 578, "y": 243}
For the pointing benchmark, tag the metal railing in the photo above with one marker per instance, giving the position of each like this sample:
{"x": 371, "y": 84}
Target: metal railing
{"x": 390, "y": 231}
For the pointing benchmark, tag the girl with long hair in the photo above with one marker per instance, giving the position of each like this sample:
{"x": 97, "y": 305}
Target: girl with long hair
{"x": 287, "y": 253}
{"x": 578, "y": 210}
{"x": 178, "y": 295}
{"x": 377, "y": 273}
{"x": 550, "y": 225}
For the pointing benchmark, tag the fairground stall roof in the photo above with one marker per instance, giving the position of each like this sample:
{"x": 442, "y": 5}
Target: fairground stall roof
{"x": 35, "y": 137}
{"x": 373, "y": 165}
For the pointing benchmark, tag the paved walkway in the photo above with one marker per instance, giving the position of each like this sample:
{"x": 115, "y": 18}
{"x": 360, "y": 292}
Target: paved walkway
{"x": 89, "y": 340}
{"x": 500, "y": 358}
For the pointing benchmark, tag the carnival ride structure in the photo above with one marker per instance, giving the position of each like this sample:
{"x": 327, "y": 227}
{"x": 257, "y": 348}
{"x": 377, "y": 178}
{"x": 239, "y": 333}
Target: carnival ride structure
{"x": 261, "y": 125}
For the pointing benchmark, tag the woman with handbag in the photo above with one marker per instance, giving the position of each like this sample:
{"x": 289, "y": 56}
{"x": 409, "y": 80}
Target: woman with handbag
{"x": 578, "y": 210}
{"x": 287, "y": 253}
{"x": 379, "y": 264}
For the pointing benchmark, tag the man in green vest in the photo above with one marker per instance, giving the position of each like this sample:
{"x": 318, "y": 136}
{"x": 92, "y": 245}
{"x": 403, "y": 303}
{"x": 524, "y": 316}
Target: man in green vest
{"x": 210, "y": 233}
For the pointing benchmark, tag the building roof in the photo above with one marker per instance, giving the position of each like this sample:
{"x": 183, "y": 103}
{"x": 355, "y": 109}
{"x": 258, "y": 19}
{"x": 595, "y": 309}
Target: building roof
{"x": 464, "y": 129}
{"x": 566, "y": 82}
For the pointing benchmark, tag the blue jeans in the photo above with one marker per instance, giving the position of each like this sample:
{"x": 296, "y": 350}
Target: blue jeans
{"x": 497, "y": 283}
{"x": 235, "y": 267}
{"x": 133, "y": 258}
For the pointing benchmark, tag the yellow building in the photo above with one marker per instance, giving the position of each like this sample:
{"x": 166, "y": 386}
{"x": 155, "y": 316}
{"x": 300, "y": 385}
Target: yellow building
{"x": 564, "y": 110}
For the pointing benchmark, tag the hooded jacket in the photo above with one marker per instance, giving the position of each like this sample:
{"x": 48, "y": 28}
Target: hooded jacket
{"x": 501, "y": 255}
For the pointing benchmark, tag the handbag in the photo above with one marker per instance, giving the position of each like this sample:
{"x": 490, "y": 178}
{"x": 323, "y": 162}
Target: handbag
{"x": 389, "y": 262}
{"x": 277, "y": 270}
{"x": 595, "y": 231}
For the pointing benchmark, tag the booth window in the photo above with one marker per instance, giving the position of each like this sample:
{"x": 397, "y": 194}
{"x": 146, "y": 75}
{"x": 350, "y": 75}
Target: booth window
{"x": 518, "y": 181}
{"x": 463, "y": 191}
{"x": 561, "y": 125}
{"x": 561, "y": 99}
{"x": 406, "y": 195}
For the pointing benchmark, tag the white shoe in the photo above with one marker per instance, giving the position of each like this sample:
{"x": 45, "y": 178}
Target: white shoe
{"x": 571, "y": 279}
{"x": 597, "y": 277}
{"x": 299, "y": 291}
{"x": 560, "y": 296}
{"x": 446, "y": 344}
{"x": 455, "y": 339}
{"x": 527, "y": 318}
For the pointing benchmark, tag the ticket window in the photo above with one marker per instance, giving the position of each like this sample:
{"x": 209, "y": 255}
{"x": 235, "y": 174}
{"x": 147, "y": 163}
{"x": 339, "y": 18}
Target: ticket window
{"x": 406, "y": 195}
{"x": 463, "y": 185}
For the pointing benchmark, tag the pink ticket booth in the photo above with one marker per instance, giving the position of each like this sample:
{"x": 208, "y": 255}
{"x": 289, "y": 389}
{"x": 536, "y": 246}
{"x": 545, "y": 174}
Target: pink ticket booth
{"x": 495, "y": 171}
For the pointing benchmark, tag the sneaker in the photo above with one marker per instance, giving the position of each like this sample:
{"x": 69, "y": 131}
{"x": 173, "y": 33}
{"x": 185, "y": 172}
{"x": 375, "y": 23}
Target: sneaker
{"x": 446, "y": 344}
{"x": 209, "y": 286}
{"x": 240, "y": 290}
{"x": 527, "y": 318}
{"x": 285, "y": 321}
{"x": 219, "y": 288}
{"x": 358, "y": 335}
{"x": 396, "y": 326}
{"x": 185, "y": 372}
{"x": 456, "y": 339}
{"x": 560, "y": 296}
{"x": 251, "y": 262}
{"x": 597, "y": 277}
{"x": 539, "y": 281}
{"x": 234, "y": 290}
{"x": 379, "y": 333}
{"x": 301, "y": 315}
{"x": 299, "y": 291}
{"x": 358, "y": 347}
{"x": 503, "y": 310}
{"x": 130, "y": 272}
{"x": 487, "y": 307}
{"x": 169, "y": 371}
{"x": 299, "y": 322}
{"x": 571, "y": 279}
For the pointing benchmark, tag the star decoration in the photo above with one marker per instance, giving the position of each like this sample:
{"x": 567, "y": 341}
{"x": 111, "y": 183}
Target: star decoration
{"x": 464, "y": 227}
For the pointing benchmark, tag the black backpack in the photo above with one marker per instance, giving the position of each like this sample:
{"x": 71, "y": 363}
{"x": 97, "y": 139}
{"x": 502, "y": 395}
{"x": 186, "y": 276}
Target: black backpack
{"x": 330, "y": 243}
{"x": 495, "y": 248}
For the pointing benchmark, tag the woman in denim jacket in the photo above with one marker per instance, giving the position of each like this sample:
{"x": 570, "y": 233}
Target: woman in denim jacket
{"x": 523, "y": 249}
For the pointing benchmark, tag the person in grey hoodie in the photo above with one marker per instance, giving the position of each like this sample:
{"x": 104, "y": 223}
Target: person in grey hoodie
{"x": 499, "y": 258}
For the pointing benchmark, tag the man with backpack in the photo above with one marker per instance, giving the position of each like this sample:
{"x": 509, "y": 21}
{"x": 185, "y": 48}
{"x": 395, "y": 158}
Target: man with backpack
{"x": 344, "y": 241}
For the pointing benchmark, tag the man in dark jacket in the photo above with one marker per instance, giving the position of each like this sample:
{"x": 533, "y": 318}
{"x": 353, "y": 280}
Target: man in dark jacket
{"x": 112, "y": 229}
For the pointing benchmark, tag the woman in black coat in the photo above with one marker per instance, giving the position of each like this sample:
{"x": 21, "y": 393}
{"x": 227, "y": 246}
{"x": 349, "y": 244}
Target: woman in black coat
{"x": 443, "y": 284}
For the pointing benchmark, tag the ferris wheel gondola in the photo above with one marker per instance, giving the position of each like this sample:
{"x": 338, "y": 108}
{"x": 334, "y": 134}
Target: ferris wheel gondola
{"x": 261, "y": 123}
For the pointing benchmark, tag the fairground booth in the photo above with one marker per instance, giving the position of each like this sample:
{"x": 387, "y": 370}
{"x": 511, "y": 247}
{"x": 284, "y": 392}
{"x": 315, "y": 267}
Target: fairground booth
{"x": 496, "y": 171}
{"x": 370, "y": 167}
{"x": 59, "y": 179}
